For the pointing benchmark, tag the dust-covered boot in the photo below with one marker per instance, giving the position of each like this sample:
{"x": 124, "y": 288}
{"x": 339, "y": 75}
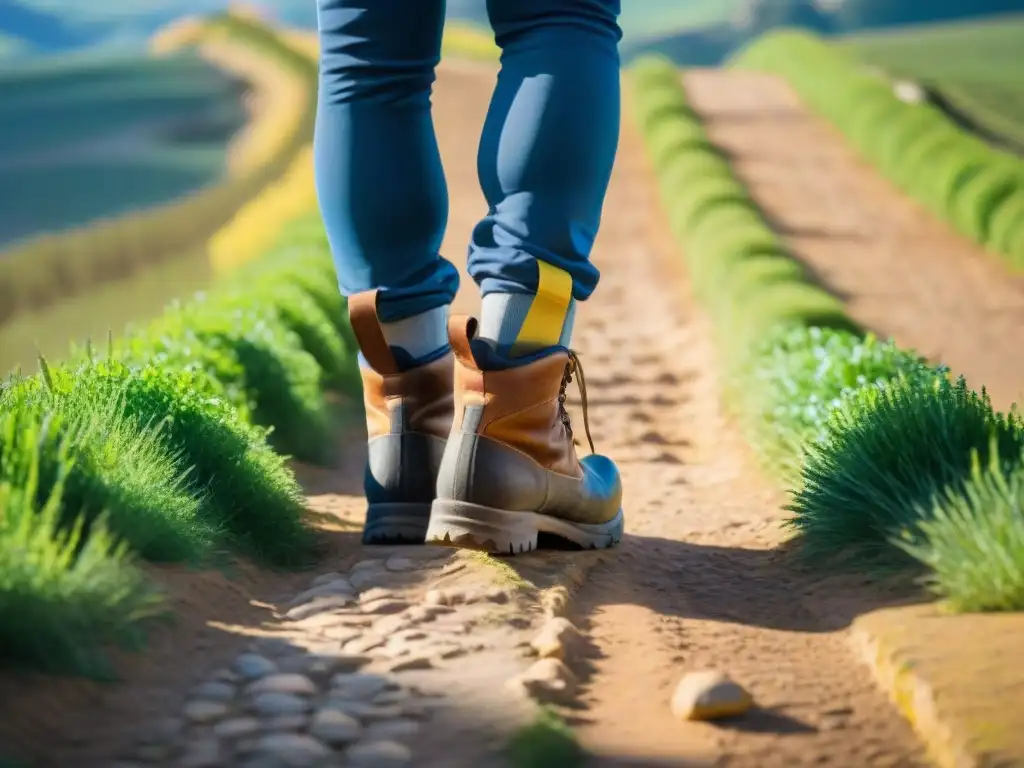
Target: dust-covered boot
{"x": 408, "y": 418}
{"x": 510, "y": 476}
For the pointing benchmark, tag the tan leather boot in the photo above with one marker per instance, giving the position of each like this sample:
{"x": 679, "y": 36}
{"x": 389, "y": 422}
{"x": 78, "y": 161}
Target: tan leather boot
{"x": 510, "y": 475}
{"x": 408, "y": 418}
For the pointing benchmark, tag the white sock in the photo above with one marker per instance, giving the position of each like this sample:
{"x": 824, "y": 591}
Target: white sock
{"x": 419, "y": 336}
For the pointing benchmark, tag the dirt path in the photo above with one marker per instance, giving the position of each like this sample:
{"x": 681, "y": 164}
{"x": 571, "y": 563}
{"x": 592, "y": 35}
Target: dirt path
{"x": 901, "y": 272}
{"x": 415, "y": 647}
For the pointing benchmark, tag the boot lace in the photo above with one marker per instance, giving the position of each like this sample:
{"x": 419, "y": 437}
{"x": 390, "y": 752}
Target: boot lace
{"x": 573, "y": 366}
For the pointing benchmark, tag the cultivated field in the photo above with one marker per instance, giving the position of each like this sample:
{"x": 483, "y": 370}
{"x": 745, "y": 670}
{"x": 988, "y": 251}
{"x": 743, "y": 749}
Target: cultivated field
{"x": 977, "y": 66}
{"x": 94, "y": 139}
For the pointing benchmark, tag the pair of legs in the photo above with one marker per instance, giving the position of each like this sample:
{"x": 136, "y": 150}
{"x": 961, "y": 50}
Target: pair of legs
{"x": 545, "y": 155}
{"x": 480, "y": 437}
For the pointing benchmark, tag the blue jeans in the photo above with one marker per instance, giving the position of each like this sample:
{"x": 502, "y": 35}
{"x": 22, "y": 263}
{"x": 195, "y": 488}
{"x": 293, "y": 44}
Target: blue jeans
{"x": 545, "y": 156}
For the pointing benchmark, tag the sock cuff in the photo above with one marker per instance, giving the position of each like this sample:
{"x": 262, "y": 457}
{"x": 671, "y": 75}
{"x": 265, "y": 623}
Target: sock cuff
{"x": 502, "y": 316}
{"x": 418, "y": 338}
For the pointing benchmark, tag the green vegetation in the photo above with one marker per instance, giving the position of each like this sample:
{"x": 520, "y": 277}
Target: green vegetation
{"x": 49, "y": 268}
{"x": 879, "y": 447}
{"x": 547, "y": 742}
{"x": 83, "y": 141}
{"x": 161, "y": 446}
{"x": 976, "y": 188}
{"x": 976, "y": 66}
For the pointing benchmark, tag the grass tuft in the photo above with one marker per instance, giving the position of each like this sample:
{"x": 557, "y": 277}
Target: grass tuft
{"x": 65, "y": 593}
{"x": 547, "y": 742}
{"x": 972, "y": 540}
{"x": 120, "y": 469}
{"x": 889, "y": 452}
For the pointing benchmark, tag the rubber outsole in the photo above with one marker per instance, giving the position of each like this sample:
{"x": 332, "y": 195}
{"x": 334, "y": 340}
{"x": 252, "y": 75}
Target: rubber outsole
{"x": 473, "y": 526}
{"x": 396, "y": 523}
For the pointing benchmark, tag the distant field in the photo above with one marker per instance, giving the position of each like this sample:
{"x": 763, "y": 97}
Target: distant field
{"x": 642, "y": 19}
{"x": 86, "y": 138}
{"x": 108, "y": 308}
{"x": 977, "y": 66}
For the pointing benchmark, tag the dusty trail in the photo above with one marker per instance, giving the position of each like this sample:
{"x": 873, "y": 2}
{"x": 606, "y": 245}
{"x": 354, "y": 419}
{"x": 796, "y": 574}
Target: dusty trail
{"x": 699, "y": 581}
{"x": 901, "y": 272}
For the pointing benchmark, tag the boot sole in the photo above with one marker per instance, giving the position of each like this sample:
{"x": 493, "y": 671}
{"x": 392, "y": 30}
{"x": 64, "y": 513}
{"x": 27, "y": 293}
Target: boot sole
{"x": 396, "y": 523}
{"x": 473, "y": 526}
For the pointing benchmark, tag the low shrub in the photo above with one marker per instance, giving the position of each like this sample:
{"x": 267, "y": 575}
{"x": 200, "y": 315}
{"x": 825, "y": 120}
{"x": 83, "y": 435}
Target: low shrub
{"x": 955, "y": 174}
{"x": 167, "y": 445}
{"x": 280, "y": 378}
{"x": 120, "y": 470}
{"x": 875, "y": 444}
{"x": 64, "y": 595}
{"x": 250, "y": 501}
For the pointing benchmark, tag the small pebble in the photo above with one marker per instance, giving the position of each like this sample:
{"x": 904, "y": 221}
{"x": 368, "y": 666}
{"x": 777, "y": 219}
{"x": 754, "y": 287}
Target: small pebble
{"x": 379, "y": 754}
{"x": 204, "y": 711}
{"x": 335, "y": 727}
{"x": 709, "y": 695}
{"x": 319, "y": 605}
{"x": 365, "y": 578}
{"x": 271, "y": 704}
{"x": 326, "y": 578}
{"x": 363, "y": 565}
{"x": 226, "y": 676}
{"x": 547, "y": 681}
{"x": 557, "y": 637}
{"x": 252, "y": 667}
{"x": 273, "y": 647}
{"x": 361, "y": 686}
{"x": 300, "y": 685}
{"x": 236, "y": 727}
{"x": 293, "y": 749}
{"x": 286, "y": 723}
{"x": 329, "y": 589}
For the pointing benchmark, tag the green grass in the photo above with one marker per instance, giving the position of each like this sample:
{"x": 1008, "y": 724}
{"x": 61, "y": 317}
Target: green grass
{"x": 547, "y": 742}
{"x": 63, "y": 597}
{"x": 976, "y": 65}
{"x": 974, "y": 542}
{"x": 977, "y": 188}
{"x": 94, "y": 139}
{"x": 873, "y": 443}
{"x": 167, "y": 444}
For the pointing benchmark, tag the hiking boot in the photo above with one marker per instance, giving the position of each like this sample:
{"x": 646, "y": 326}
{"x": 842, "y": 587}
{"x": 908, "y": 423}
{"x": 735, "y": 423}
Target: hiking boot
{"x": 510, "y": 476}
{"x": 408, "y": 418}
